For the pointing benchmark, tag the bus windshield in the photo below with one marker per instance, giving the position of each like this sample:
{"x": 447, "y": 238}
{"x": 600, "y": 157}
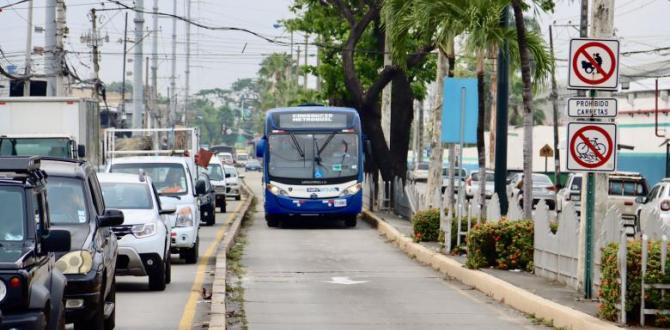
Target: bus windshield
{"x": 313, "y": 155}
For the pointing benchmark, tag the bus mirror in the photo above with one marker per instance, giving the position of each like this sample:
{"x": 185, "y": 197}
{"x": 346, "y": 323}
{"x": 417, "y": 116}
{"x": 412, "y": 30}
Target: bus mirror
{"x": 260, "y": 147}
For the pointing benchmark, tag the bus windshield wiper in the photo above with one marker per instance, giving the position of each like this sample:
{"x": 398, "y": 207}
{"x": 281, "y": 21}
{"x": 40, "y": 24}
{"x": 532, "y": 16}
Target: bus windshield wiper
{"x": 297, "y": 145}
{"x": 325, "y": 144}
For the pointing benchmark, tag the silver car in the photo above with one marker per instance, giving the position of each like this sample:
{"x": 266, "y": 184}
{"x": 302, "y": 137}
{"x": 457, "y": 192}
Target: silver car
{"x": 543, "y": 189}
{"x": 472, "y": 184}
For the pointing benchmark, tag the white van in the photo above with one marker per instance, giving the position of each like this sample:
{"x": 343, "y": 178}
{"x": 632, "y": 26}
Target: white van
{"x": 175, "y": 182}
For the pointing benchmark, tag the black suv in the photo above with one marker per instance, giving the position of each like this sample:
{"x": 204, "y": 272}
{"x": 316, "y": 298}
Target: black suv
{"x": 76, "y": 205}
{"x": 31, "y": 288}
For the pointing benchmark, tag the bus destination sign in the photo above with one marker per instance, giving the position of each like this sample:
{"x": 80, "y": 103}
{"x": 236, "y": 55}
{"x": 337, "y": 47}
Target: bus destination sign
{"x": 312, "y": 120}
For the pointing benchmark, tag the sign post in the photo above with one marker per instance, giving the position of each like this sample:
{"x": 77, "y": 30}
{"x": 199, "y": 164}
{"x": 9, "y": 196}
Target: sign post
{"x": 547, "y": 152}
{"x": 592, "y": 143}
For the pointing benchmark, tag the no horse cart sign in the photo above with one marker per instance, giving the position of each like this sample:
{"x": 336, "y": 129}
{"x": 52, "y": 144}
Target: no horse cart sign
{"x": 594, "y": 64}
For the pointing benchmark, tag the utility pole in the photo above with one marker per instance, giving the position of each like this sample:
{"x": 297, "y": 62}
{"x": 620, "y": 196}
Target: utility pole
{"x": 297, "y": 67}
{"x": 502, "y": 118}
{"x": 29, "y": 49}
{"x": 147, "y": 92}
{"x": 318, "y": 62}
{"x": 554, "y": 100}
{"x": 138, "y": 67}
{"x": 95, "y": 54}
{"x": 304, "y": 84}
{"x": 154, "y": 62}
{"x": 123, "y": 66}
{"x": 187, "y": 71}
{"x": 54, "y": 34}
{"x": 173, "y": 77}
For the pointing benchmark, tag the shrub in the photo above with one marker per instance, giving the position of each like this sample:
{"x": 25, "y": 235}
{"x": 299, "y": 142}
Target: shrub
{"x": 503, "y": 245}
{"x": 426, "y": 225}
{"x": 454, "y": 231}
{"x": 610, "y": 289}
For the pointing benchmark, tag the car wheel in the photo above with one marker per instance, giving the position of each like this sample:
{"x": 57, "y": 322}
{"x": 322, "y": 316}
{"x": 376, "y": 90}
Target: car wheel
{"x": 191, "y": 255}
{"x": 350, "y": 221}
{"x": 238, "y": 197}
{"x": 271, "y": 221}
{"x": 110, "y": 322}
{"x": 168, "y": 268}
{"x": 211, "y": 216}
{"x": 157, "y": 278}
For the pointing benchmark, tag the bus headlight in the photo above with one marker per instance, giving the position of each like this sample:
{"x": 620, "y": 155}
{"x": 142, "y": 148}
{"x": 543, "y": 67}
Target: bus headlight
{"x": 144, "y": 230}
{"x": 276, "y": 190}
{"x": 75, "y": 262}
{"x": 184, "y": 218}
{"x": 352, "y": 190}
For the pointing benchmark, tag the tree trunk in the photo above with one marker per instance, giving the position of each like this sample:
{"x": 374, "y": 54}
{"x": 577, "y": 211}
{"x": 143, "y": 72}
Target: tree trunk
{"x": 481, "y": 148}
{"x": 451, "y": 59}
{"x": 435, "y": 170}
{"x": 494, "y": 110}
{"x": 402, "y": 113}
{"x": 528, "y": 110}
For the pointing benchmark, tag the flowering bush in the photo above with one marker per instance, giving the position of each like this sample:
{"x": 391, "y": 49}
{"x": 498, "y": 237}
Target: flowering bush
{"x": 610, "y": 289}
{"x": 426, "y": 225}
{"x": 504, "y": 245}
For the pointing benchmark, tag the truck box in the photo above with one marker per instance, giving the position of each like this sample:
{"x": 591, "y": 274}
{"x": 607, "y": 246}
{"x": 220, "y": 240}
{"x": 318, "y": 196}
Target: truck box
{"x": 69, "y": 123}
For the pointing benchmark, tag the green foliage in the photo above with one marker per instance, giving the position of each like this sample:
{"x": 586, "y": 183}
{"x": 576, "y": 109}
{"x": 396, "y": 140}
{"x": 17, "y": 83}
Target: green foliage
{"x": 610, "y": 289}
{"x": 426, "y": 225}
{"x": 454, "y": 232}
{"x": 116, "y": 87}
{"x": 503, "y": 245}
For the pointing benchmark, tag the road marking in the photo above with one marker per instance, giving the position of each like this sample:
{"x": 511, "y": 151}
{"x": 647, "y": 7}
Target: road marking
{"x": 189, "y": 310}
{"x": 344, "y": 280}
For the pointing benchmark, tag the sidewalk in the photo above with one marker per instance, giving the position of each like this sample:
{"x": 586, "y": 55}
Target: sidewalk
{"x": 541, "y": 287}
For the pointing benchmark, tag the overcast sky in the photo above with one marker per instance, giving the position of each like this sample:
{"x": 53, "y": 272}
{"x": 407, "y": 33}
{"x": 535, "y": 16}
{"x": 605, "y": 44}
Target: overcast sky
{"x": 219, "y": 58}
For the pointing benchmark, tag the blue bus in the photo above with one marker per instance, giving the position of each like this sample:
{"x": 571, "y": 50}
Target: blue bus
{"x": 313, "y": 163}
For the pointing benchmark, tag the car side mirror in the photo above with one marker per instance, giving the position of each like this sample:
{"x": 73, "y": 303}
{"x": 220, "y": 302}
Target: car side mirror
{"x": 228, "y": 175}
{"x": 260, "y": 147}
{"x": 641, "y": 199}
{"x": 81, "y": 151}
{"x": 167, "y": 210}
{"x": 56, "y": 241}
{"x": 111, "y": 218}
{"x": 200, "y": 187}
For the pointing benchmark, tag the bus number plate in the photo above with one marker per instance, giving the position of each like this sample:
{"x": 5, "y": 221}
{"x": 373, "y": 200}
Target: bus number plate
{"x": 340, "y": 203}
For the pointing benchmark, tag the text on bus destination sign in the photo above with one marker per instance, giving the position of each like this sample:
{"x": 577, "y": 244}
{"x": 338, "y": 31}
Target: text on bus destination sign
{"x": 592, "y": 107}
{"x": 327, "y": 120}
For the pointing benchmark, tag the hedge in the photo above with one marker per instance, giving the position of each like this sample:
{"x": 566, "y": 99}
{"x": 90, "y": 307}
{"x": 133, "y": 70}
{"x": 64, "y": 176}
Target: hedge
{"x": 426, "y": 225}
{"x": 610, "y": 290}
{"x": 503, "y": 245}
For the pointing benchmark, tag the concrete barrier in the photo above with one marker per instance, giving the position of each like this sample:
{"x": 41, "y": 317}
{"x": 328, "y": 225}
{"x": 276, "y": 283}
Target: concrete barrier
{"x": 504, "y": 292}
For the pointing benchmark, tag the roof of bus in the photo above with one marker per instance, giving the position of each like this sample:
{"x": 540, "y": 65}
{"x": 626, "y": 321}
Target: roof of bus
{"x": 312, "y": 108}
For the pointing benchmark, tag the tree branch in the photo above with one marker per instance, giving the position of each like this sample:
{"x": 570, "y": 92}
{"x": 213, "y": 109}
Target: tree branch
{"x": 346, "y": 11}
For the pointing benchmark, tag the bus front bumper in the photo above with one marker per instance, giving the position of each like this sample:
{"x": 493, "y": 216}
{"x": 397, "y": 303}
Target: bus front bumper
{"x": 284, "y": 205}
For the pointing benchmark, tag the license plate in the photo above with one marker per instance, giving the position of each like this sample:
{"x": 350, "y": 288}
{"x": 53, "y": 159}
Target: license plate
{"x": 340, "y": 203}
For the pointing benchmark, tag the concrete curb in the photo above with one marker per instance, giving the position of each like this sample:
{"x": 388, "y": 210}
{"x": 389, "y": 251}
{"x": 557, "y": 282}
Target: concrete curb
{"x": 217, "y": 317}
{"x": 504, "y": 292}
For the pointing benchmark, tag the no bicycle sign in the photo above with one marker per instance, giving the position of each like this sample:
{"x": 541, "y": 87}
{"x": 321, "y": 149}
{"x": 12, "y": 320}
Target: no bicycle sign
{"x": 591, "y": 147}
{"x": 594, "y": 64}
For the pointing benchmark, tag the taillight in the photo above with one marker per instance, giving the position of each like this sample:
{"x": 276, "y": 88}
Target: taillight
{"x": 628, "y": 203}
{"x": 15, "y": 282}
{"x": 551, "y": 188}
{"x": 665, "y": 205}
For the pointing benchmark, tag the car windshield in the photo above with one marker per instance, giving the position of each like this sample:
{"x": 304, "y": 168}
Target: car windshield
{"x": 489, "y": 176}
{"x": 627, "y": 188}
{"x": 230, "y": 170}
{"x": 168, "y": 178}
{"x": 66, "y": 201}
{"x": 12, "y": 217}
{"x": 52, "y": 147}
{"x": 242, "y": 157}
{"x": 313, "y": 156}
{"x": 215, "y": 173}
{"x": 127, "y": 195}
{"x": 539, "y": 179}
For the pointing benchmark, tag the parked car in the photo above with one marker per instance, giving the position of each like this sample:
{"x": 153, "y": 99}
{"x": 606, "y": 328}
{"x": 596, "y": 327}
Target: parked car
{"x": 218, "y": 180}
{"x": 572, "y": 192}
{"x": 473, "y": 181}
{"x": 232, "y": 183}
{"x": 253, "y": 165}
{"x": 207, "y": 200}
{"x": 420, "y": 173}
{"x": 226, "y": 158}
{"x": 658, "y": 199}
{"x": 174, "y": 178}
{"x": 144, "y": 237}
{"x": 76, "y": 205}
{"x": 31, "y": 287}
{"x": 543, "y": 189}
{"x": 459, "y": 178}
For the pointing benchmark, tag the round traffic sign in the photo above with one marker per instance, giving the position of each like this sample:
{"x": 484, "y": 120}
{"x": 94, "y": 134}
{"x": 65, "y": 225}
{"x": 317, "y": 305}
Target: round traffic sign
{"x": 591, "y": 146}
{"x": 592, "y": 63}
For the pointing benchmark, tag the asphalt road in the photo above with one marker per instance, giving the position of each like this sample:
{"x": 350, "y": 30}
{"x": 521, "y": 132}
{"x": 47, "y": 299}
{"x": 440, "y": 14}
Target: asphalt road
{"x": 139, "y": 308}
{"x": 315, "y": 275}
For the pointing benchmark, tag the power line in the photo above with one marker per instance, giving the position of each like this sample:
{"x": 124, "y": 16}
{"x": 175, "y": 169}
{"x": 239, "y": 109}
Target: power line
{"x": 13, "y": 4}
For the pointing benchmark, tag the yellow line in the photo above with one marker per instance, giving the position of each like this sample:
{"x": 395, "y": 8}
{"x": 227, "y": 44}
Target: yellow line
{"x": 189, "y": 310}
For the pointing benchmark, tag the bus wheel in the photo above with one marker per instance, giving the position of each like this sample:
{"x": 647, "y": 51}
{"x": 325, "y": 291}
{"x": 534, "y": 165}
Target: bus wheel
{"x": 271, "y": 221}
{"x": 350, "y": 221}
